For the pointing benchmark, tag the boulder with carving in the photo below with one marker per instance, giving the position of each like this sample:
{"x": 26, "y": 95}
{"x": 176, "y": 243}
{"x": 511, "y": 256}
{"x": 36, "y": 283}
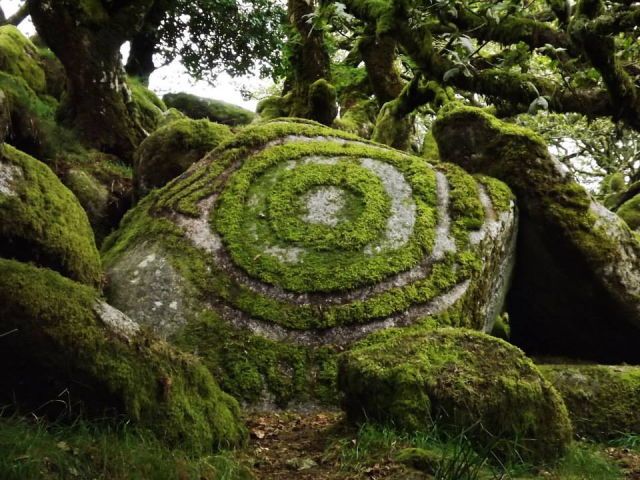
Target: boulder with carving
{"x": 292, "y": 240}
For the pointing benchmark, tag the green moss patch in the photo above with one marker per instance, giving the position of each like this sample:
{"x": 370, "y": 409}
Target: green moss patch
{"x": 459, "y": 380}
{"x": 20, "y": 57}
{"x": 42, "y": 221}
{"x": 630, "y": 212}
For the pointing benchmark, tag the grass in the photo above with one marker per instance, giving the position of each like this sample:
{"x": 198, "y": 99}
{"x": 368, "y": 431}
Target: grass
{"x": 36, "y": 449}
{"x": 448, "y": 458}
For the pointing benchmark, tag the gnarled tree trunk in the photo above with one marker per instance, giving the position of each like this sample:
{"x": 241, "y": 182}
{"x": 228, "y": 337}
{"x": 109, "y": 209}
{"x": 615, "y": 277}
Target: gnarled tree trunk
{"x": 86, "y": 35}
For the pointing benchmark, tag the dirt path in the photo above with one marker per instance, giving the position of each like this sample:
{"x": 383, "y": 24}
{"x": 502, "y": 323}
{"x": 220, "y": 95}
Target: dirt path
{"x": 303, "y": 446}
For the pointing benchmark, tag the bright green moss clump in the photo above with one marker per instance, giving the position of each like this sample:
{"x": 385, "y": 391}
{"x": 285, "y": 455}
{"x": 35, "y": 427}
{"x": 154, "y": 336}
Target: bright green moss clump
{"x": 603, "y": 400}
{"x": 460, "y": 380}
{"x": 172, "y": 149}
{"x": 148, "y": 107}
{"x": 66, "y": 338}
{"x": 42, "y": 222}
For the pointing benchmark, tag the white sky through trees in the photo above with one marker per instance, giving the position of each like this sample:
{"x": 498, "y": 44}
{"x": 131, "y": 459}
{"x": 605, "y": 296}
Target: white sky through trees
{"x": 173, "y": 77}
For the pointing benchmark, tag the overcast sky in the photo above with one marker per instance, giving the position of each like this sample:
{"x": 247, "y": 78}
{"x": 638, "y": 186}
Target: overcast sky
{"x": 172, "y": 78}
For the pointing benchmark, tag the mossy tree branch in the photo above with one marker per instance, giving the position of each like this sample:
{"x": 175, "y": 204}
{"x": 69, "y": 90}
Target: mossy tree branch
{"x": 600, "y": 49}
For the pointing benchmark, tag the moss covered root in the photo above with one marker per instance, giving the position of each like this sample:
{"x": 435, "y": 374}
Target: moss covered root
{"x": 459, "y": 380}
{"x": 66, "y": 339}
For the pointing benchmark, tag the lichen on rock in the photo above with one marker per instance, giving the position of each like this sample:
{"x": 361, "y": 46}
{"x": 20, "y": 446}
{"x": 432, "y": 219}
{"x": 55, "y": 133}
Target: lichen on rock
{"x": 242, "y": 231}
{"x": 458, "y": 381}
{"x": 42, "y": 222}
{"x": 65, "y": 338}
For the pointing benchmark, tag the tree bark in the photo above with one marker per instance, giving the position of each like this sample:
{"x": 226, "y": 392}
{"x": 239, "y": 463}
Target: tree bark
{"x": 144, "y": 43}
{"x": 86, "y": 36}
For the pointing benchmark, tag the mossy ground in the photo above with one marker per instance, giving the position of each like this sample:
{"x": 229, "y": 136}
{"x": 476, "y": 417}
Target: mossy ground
{"x": 32, "y": 448}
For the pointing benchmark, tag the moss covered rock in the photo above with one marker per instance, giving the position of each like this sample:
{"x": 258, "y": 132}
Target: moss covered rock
{"x": 296, "y": 240}
{"x": 629, "y": 211}
{"x": 102, "y": 184}
{"x": 148, "y": 107}
{"x": 64, "y": 338}
{"x": 214, "y": 110}
{"x": 460, "y": 381}
{"x": 603, "y": 400}
{"x": 576, "y": 288}
{"x": 42, "y": 222}
{"x": 21, "y": 58}
{"x": 172, "y": 149}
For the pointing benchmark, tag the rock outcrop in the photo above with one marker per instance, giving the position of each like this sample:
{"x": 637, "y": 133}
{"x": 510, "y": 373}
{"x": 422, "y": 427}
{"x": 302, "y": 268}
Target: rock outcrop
{"x": 213, "y": 110}
{"x": 173, "y": 148}
{"x": 603, "y": 400}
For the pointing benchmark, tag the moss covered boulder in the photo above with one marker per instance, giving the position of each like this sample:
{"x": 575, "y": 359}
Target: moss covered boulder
{"x": 213, "y": 110}
{"x": 292, "y": 240}
{"x": 603, "y": 400}
{"x": 576, "y": 288}
{"x": 172, "y": 149}
{"x": 64, "y": 338}
{"x": 42, "y": 222}
{"x": 459, "y": 381}
{"x": 21, "y": 58}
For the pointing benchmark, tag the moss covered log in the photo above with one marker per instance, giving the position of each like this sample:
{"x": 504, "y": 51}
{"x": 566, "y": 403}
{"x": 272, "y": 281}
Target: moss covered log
{"x": 458, "y": 381}
{"x": 65, "y": 338}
